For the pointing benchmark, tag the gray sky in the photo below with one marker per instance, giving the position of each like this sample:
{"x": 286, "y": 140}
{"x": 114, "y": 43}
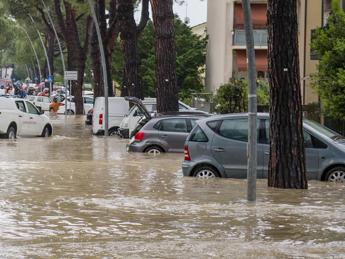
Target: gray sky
{"x": 196, "y": 11}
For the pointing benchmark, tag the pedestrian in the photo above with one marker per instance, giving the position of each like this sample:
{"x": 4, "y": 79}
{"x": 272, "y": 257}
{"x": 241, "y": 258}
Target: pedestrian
{"x": 54, "y": 106}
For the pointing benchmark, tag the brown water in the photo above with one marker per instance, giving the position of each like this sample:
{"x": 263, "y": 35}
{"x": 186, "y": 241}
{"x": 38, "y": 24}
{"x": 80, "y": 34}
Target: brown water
{"x": 80, "y": 196}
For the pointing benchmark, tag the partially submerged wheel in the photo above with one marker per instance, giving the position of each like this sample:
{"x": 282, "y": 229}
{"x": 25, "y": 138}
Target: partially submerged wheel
{"x": 336, "y": 175}
{"x": 205, "y": 172}
{"x": 46, "y": 132}
{"x": 154, "y": 150}
{"x": 11, "y": 132}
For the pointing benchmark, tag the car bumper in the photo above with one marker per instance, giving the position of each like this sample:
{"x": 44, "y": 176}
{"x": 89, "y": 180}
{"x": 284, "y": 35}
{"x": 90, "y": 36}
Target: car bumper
{"x": 187, "y": 168}
{"x": 136, "y": 146}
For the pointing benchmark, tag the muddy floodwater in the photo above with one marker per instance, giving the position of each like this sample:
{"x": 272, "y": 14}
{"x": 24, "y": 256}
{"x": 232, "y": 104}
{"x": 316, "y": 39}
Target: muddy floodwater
{"x": 75, "y": 195}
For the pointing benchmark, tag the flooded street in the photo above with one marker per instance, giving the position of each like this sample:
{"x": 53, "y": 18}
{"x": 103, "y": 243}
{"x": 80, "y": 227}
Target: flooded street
{"x": 80, "y": 196}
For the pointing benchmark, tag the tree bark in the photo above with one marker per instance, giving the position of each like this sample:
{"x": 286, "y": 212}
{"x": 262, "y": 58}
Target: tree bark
{"x": 109, "y": 35}
{"x": 77, "y": 53}
{"x": 166, "y": 82}
{"x": 287, "y": 156}
{"x": 129, "y": 31}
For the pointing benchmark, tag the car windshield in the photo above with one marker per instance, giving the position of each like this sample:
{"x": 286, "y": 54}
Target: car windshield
{"x": 324, "y": 130}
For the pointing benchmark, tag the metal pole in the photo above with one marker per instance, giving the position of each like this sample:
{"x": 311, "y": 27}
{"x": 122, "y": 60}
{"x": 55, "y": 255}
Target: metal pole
{"x": 45, "y": 53}
{"x": 252, "y": 103}
{"x": 33, "y": 48}
{"x": 104, "y": 67}
{"x": 60, "y": 49}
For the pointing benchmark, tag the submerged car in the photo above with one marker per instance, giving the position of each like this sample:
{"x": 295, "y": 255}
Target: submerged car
{"x": 163, "y": 134}
{"x": 19, "y": 117}
{"x": 217, "y": 147}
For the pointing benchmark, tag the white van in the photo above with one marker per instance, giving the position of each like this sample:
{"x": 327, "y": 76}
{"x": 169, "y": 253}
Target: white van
{"x": 118, "y": 108}
{"x": 21, "y": 117}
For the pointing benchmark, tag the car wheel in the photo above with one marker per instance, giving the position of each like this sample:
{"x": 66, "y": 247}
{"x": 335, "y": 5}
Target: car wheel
{"x": 336, "y": 175}
{"x": 113, "y": 132}
{"x": 11, "y": 132}
{"x": 154, "y": 150}
{"x": 70, "y": 112}
{"x": 205, "y": 172}
{"x": 45, "y": 132}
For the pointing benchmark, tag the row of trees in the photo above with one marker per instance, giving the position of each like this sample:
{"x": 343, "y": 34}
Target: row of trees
{"x": 119, "y": 30}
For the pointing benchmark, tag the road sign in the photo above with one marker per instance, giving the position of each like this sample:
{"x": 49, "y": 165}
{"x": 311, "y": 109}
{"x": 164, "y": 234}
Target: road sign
{"x": 71, "y": 75}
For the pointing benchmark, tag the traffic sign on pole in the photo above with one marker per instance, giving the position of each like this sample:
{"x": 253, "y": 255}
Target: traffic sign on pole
{"x": 50, "y": 78}
{"x": 71, "y": 75}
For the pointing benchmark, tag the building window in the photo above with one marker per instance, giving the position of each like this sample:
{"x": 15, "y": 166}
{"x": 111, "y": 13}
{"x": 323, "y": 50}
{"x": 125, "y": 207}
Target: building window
{"x": 260, "y": 38}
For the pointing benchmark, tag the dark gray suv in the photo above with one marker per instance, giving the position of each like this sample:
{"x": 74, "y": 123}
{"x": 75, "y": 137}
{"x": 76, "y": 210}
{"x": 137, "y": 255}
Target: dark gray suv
{"x": 163, "y": 134}
{"x": 217, "y": 147}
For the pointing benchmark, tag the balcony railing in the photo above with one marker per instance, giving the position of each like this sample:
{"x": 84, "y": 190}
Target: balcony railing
{"x": 260, "y": 38}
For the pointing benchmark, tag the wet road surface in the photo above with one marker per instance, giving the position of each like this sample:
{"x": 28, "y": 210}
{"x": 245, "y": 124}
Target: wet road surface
{"x": 79, "y": 196}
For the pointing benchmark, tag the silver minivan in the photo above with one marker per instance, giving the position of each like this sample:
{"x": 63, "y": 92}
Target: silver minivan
{"x": 217, "y": 147}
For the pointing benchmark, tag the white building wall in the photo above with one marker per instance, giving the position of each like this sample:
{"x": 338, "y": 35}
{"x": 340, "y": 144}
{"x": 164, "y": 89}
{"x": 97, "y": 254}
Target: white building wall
{"x": 217, "y": 53}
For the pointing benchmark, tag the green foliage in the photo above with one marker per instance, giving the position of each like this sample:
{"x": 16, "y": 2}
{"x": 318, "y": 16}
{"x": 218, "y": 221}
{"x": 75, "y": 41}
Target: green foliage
{"x": 329, "y": 43}
{"x": 190, "y": 60}
{"x": 232, "y": 97}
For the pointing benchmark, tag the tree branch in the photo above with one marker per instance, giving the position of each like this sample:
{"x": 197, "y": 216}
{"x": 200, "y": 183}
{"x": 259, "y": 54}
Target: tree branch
{"x": 144, "y": 16}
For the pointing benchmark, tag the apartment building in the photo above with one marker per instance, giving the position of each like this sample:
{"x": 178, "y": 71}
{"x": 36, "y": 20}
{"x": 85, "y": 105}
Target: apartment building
{"x": 226, "y": 54}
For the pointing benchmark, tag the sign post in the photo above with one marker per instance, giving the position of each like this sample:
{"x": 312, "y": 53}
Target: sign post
{"x": 68, "y": 77}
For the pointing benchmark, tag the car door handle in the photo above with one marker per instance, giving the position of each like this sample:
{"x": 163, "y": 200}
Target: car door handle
{"x": 20, "y": 116}
{"x": 218, "y": 149}
{"x": 267, "y": 153}
{"x": 31, "y": 118}
{"x": 164, "y": 136}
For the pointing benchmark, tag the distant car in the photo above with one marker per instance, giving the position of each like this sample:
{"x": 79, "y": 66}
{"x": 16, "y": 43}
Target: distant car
{"x": 217, "y": 147}
{"x": 163, "y": 134}
{"x": 19, "y": 117}
{"x": 41, "y": 102}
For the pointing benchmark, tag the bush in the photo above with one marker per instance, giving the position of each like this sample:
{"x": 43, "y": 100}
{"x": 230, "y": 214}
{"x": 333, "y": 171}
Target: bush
{"x": 233, "y": 96}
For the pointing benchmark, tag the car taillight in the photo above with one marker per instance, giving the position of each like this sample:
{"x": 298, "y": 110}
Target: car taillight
{"x": 186, "y": 153}
{"x": 139, "y": 136}
{"x": 100, "y": 119}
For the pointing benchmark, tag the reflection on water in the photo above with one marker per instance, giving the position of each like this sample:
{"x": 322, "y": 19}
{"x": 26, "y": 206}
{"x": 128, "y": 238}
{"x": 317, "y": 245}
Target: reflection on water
{"x": 76, "y": 195}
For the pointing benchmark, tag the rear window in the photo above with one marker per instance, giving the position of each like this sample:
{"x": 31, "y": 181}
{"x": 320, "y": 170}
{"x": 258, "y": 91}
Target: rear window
{"x": 198, "y": 135}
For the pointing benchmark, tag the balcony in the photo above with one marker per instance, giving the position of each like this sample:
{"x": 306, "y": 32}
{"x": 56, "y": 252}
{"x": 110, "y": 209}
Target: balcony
{"x": 260, "y": 39}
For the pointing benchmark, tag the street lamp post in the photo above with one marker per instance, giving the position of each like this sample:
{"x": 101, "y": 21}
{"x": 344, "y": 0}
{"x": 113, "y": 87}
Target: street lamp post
{"x": 33, "y": 48}
{"x": 45, "y": 53}
{"x": 104, "y": 67}
{"x": 60, "y": 49}
{"x": 252, "y": 103}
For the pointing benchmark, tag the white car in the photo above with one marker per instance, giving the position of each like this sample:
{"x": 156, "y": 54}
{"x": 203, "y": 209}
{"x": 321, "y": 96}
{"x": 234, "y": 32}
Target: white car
{"x": 88, "y": 105}
{"x": 118, "y": 108}
{"x": 40, "y": 101}
{"x": 21, "y": 117}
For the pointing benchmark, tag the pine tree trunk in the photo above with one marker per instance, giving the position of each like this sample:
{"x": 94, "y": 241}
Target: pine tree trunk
{"x": 287, "y": 155}
{"x": 166, "y": 82}
{"x": 131, "y": 83}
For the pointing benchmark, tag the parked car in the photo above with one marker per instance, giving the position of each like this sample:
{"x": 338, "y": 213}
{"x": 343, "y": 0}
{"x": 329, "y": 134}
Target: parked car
{"x": 163, "y": 134}
{"x": 41, "y": 102}
{"x": 19, "y": 117}
{"x": 118, "y": 108}
{"x": 88, "y": 105}
{"x": 143, "y": 110}
{"x": 89, "y": 115}
{"x": 217, "y": 147}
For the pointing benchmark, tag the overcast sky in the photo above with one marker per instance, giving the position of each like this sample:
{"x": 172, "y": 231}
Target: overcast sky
{"x": 196, "y": 11}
